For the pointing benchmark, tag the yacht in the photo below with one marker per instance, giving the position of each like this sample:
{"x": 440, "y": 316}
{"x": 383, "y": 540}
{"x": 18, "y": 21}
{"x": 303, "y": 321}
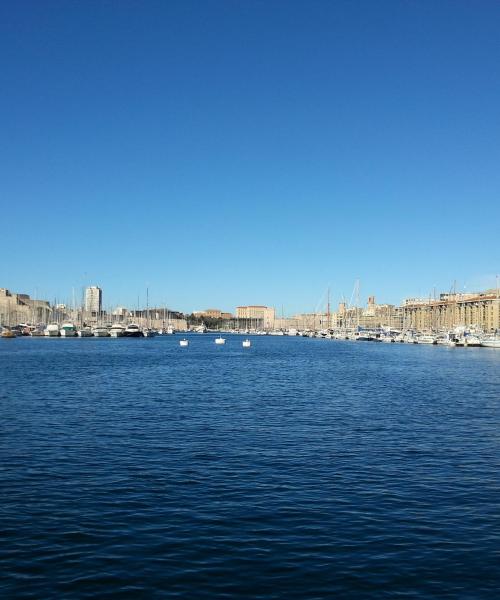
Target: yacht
{"x": 100, "y": 331}
{"x": 426, "y": 338}
{"x": 363, "y": 337}
{"x": 68, "y": 330}
{"x": 117, "y": 330}
{"x": 85, "y": 332}
{"x": 133, "y": 330}
{"x": 470, "y": 341}
{"x": 491, "y": 341}
{"x": 52, "y": 330}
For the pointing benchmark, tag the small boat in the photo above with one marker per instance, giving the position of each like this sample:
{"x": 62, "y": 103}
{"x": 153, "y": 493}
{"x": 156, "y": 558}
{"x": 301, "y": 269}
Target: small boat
{"x": 471, "y": 341}
{"x": 117, "y": 330}
{"x": 100, "y": 332}
{"x": 426, "y": 339}
{"x": 184, "y": 343}
{"x": 220, "y": 340}
{"x": 133, "y": 330}
{"x": 7, "y": 333}
{"x": 246, "y": 343}
{"x": 85, "y": 332}
{"x": 148, "y": 332}
{"x": 491, "y": 342}
{"x": 68, "y": 330}
{"x": 52, "y": 330}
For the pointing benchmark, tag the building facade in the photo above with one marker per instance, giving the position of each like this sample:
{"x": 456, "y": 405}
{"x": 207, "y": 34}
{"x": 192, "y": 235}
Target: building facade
{"x": 479, "y": 310}
{"x": 258, "y": 315}
{"x": 20, "y": 308}
{"x": 93, "y": 300}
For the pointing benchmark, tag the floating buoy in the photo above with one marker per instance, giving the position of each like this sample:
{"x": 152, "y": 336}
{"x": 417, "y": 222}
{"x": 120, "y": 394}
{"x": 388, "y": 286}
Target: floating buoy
{"x": 220, "y": 340}
{"x": 246, "y": 344}
{"x": 184, "y": 343}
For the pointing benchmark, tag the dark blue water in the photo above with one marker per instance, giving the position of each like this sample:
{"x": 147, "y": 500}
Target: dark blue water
{"x": 132, "y": 468}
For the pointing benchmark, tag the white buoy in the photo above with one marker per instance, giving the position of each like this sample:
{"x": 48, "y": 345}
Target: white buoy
{"x": 220, "y": 340}
{"x": 246, "y": 344}
{"x": 184, "y": 343}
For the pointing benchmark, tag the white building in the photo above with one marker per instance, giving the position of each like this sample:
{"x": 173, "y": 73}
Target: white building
{"x": 93, "y": 299}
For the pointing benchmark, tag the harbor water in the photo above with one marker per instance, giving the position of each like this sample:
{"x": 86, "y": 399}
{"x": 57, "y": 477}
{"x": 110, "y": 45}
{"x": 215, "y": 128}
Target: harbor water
{"x": 294, "y": 469}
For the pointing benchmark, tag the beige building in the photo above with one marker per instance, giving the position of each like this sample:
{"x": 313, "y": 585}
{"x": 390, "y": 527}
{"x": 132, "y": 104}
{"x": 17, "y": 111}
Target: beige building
{"x": 93, "y": 300}
{"x": 374, "y": 316}
{"x": 261, "y": 316}
{"x": 20, "y": 308}
{"x": 480, "y": 310}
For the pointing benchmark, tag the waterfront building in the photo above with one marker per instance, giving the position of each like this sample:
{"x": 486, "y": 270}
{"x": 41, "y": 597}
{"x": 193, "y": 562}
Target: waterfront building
{"x": 211, "y": 313}
{"x": 262, "y": 316}
{"x": 20, "y": 308}
{"x": 93, "y": 300}
{"x": 480, "y": 310}
{"x": 373, "y": 316}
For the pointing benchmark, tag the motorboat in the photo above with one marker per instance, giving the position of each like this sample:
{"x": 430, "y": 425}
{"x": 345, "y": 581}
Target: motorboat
{"x": 68, "y": 330}
{"x": 100, "y": 331}
{"x": 148, "y": 332}
{"x": 7, "y": 333}
{"x": 471, "y": 341}
{"x": 133, "y": 330}
{"x": 85, "y": 332}
{"x": 426, "y": 338}
{"x": 52, "y": 330}
{"x": 116, "y": 330}
{"x": 491, "y": 341}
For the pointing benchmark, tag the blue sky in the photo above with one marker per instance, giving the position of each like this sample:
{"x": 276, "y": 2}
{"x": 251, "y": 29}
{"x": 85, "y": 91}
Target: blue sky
{"x": 225, "y": 153}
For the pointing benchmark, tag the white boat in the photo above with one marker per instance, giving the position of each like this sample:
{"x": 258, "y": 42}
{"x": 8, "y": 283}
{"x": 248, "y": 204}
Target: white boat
{"x": 100, "y": 332}
{"x": 426, "y": 338}
{"x": 52, "y": 330}
{"x": 85, "y": 332}
{"x": 470, "y": 341}
{"x": 170, "y": 330}
{"x": 148, "y": 332}
{"x": 491, "y": 342}
{"x": 117, "y": 330}
{"x": 246, "y": 343}
{"x": 184, "y": 343}
{"x": 220, "y": 340}
{"x": 68, "y": 330}
{"x": 133, "y": 330}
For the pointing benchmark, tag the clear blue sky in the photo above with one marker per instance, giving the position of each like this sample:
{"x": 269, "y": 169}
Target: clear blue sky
{"x": 229, "y": 153}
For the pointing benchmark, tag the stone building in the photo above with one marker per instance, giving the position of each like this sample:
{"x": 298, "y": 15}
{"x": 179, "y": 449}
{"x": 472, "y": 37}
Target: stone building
{"x": 480, "y": 310}
{"x": 256, "y": 316}
{"x": 20, "y": 308}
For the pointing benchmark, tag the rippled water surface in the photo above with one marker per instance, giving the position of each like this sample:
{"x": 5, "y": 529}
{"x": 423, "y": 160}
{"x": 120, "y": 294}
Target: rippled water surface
{"x": 297, "y": 468}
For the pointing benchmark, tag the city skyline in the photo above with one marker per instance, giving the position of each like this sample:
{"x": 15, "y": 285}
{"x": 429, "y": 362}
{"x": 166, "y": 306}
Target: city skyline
{"x": 223, "y": 153}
